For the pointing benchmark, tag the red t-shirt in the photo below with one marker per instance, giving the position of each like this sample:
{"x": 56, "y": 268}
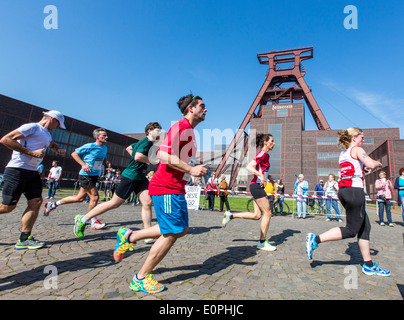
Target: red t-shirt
{"x": 262, "y": 159}
{"x": 180, "y": 140}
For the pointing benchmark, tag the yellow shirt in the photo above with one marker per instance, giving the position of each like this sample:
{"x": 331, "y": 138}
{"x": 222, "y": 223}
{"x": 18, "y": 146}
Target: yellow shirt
{"x": 269, "y": 188}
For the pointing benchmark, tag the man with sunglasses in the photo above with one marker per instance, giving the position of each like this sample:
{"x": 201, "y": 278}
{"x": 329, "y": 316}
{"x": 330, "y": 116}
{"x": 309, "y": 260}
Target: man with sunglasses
{"x": 29, "y": 143}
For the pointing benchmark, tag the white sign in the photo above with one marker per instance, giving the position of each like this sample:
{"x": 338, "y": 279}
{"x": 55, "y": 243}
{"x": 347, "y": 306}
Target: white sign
{"x": 193, "y": 194}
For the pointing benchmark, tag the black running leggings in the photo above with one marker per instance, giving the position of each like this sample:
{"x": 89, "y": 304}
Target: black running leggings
{"x": 357, "y": 220}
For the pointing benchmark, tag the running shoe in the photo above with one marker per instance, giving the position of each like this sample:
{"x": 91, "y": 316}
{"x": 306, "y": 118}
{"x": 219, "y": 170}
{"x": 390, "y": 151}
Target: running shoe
{"x": 49, "y": 207}
{"x": 375, "y": 270}
{"x": 79, "y": 226}
{"x": 30, "y": 243}
{"x": 311, "y": 244}
{"x": 122, "y": 244}
{"x": 226, "y": 218}
{"x": 148, "y": 285}
{"x": 265, "y": 246}
{"x": 97, "y": 225}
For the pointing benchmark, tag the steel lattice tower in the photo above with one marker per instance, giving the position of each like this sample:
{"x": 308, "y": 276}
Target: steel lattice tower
{"x": 284, "y": 82}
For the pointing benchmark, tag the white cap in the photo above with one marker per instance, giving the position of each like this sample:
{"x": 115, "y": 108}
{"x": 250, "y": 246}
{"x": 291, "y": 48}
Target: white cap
{"x": 58, "y": 116}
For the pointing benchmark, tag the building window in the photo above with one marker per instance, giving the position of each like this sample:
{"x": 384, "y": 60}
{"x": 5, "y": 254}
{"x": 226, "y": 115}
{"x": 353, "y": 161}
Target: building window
{"x": 282, "y": 113}
{"x": 326, "y": 171}
{"x": 327, "y": 141}
{"x": 274, "y": 127}
{"x": 328, "y": 155}
{"x": 368, "y": 140}
{"x": 334, "y": 140}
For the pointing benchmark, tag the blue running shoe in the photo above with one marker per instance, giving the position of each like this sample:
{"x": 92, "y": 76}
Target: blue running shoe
{"x": 375, "y": 270}
{"x": 311, "y": 244}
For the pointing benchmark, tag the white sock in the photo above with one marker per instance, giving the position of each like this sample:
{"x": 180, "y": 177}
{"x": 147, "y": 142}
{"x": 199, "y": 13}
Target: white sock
{"x": 84, "y": 220}
{"x": 93, "y": 220}
{"x": 58, "y": 203}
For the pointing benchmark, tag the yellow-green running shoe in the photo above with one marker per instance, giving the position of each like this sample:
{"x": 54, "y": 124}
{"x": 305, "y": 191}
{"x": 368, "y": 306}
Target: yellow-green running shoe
{"x": 148, "y": 284}
{"x": 79, "y": 226}
{"x": 30, "y": 243}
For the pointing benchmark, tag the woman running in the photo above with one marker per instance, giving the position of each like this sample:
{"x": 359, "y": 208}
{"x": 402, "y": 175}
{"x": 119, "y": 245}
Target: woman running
{"x": 259, "y": 167}
{"x": 351, "y": 193}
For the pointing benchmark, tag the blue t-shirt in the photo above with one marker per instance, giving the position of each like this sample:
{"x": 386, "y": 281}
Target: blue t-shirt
{"x": 94, "y": 155}
{"x": 320, "y": 190}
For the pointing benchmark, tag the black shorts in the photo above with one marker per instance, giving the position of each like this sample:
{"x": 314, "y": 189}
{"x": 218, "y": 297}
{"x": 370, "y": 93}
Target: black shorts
{"x": 20, "y": 181}
{"x": 127, "y": 186}
{"x": 88, "y": 181}
{"x": 257, "y": 191}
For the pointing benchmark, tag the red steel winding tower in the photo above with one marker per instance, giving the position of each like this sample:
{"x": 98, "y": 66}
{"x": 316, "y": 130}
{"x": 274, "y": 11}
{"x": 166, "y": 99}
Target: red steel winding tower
{"x": 284, "y": 82}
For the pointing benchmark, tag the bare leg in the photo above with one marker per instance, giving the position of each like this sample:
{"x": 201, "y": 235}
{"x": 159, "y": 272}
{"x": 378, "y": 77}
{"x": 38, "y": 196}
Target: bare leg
{"x": 331, "y": 235}
{"x": 114, "y": 203}
{"x": 6, "y": 209}
{"x": 30, "y": 214}
{"x": 263, "y": 205}
{"x": 158, "y": 251}
{"x": 146, "y": 201}
{"x": 77, "y": 198}
{"x": 147, "y": 233}
{"x": 93, "y": 194}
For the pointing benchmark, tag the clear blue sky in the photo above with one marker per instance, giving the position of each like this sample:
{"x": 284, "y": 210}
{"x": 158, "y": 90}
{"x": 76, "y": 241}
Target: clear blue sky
{"x": 121, "y": 64}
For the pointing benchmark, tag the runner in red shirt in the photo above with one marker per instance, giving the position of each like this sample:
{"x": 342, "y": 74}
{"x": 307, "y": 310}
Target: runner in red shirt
{"x": 167, "y": 188}
{"x": 259, "y": 167}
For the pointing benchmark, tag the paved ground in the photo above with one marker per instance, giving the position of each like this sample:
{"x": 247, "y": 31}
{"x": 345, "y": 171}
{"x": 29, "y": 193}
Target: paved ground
{"x": 210, "y": 263}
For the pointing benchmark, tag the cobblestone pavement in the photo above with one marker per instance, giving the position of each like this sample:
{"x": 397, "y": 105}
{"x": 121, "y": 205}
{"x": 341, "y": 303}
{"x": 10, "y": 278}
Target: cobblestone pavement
{"x": 210, "y": 263}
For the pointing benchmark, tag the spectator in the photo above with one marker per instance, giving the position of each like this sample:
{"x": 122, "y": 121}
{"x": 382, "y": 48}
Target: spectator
{"x": 270, "y": 189}
{"x": 198, "y": 182}
{"x": 40, "y": 169}
{"x": 53, "y": 179}
{"x": 211, "y": 191}
{"x": 384, "y": 196}
{"x": 319, "y": 191}
{"x": 108, "y": 183}
{"x": 399, "y": 185}
{"x": 281, "y": 191}
{"x": 223, "y": 192}
{"x": 150, "y": 175}
{"x": 301, "y": 189}
{"x": 331, "y": 189}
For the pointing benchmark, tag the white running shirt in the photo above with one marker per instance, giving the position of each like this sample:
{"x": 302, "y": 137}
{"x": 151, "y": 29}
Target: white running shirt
{"x": 35, "y": 137}
{"x": 351, "y": 170}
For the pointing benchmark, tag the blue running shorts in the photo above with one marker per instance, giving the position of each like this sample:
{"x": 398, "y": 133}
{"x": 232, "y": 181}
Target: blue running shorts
{"x": 171, "y": 212}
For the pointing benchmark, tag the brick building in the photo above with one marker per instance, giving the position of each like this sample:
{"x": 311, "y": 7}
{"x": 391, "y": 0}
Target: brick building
{"x": 14, "y": 113}
{"x": 314, "y": 153}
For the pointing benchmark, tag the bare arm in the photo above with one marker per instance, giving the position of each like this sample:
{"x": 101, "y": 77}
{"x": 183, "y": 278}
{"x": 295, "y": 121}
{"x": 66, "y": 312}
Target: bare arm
{"x": 83, "y": 165}
{"x": 251, "y": 168}
{"x": 129, "y": 150}
{"x": 54, "y": 147}
{"x": 141, "y": 157}
{"x": 10, "y": 141}
{"x": 176, "y": 163}
{"x": 365, "y": 159}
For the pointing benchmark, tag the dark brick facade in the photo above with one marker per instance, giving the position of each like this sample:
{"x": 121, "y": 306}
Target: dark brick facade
{"x": 314, "y": 152}
{"x": 14, "y": 113}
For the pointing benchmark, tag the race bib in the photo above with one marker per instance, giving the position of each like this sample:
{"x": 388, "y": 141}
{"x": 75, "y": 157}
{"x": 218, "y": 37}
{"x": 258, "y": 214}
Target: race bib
{"x": 35, "y": 162}
{"x": 97, "y": 165}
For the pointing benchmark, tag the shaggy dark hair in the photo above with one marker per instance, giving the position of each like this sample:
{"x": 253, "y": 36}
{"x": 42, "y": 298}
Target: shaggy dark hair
{"x": 185, "y": 101}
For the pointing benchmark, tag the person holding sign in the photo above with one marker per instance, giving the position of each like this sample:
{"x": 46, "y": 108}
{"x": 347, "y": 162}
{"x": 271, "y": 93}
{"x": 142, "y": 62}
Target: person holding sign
{"x": 29, "y": 143}
{"x": 90, "y": 157}
{"x": 167, "y": 188}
